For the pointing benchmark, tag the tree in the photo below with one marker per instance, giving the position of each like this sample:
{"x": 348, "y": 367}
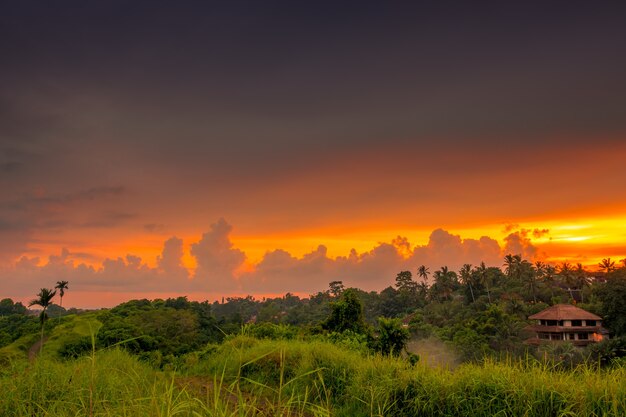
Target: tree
{"x": 392, "y": 337}
{"x": 581, "y": 280}
{"x": 612, "y": 295}
{"x": 346, "y": 314}
{"x": 61, "y": 286}
{"x": 528, "y": 275}
{"x": 566, "y": 273}
{"x": 422, "y": 271}
{"x": 549, "y": 278}
{"x": 405, "y": 283}
{"x": 8, "y": 307}
{"x": 607, "y": 264}
{"x": 336, "y": 288}
{"x": 510, "y": 264}
{"x": 484, "y": 278}
{"x": 465, "y": 275}
{"x": 44, "y": 299}
{"x": 445, "y": 284}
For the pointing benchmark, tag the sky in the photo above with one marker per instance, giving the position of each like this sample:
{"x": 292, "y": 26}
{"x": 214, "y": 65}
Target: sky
{"x": 154, "y": 149}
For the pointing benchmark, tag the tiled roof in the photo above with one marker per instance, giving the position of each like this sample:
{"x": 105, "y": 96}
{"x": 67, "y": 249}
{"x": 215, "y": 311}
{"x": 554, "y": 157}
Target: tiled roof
{"x": 564, "y": 312}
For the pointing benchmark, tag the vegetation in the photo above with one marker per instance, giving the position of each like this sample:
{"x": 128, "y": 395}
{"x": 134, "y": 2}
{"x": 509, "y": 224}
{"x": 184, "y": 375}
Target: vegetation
{"x": 341, "y": 352}
{"x": 249, "y": 376}
{"x": 44, "y": 299}
{"x": 61, "y": 286}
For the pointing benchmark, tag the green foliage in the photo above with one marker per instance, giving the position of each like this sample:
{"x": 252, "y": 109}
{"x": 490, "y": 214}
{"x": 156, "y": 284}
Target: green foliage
{"x": 8, "y": 307}
{"x": 392, "y": 337}
{"x": 272, "y": 331}
{"x": 350, "y": 383}
{"x": 612, "y": 294}
{"x": 346, "y": 314}
{"x": 14, "y": 326}
{"x": 608, "y": 351}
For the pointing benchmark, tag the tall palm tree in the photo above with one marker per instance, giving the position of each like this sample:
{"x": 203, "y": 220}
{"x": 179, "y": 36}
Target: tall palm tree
{"x": 529, "y": 278}
{"x": 44, "y": 299}
{"x": 466, "y": 278}
{"x": 549, "y": 278}
{"x": 422, "y": 271}
{"x": 445, "y": 283}
{"x": 582, "y": 280}
{"x": 484, "y": 278}
{"x": 607, "y": 264}
{"x": 540, "y": 268}
{"x": 62, "y": 286}
{"x": 510, "y": 264}
{"x": 566, "y": 272}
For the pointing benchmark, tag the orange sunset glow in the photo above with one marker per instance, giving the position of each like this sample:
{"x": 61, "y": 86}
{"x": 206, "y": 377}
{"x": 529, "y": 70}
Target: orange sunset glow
{"x": 252, "y": 154}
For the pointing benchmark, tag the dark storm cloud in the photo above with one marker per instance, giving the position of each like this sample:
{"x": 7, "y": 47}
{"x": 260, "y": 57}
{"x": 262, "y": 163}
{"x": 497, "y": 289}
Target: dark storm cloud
{"x": 284, "y": 80}
{"x": 23, "y": 215}
{"x": 109, "y": 219}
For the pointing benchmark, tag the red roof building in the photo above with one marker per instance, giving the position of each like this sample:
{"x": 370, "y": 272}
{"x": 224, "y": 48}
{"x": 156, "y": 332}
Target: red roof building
{"x": 564, "y": 322}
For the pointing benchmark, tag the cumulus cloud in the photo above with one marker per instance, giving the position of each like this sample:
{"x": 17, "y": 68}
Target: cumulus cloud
{"x": 219, "y": 266}
{"x": 372, "y": 270}
{"x": 520, "y": 243}
{"x": 171, "y": 260}
{"x": 217, "y": 258}
{"x": 446, "y": 249}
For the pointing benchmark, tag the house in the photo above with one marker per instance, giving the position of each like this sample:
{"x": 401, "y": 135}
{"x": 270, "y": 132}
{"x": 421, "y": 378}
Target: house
{"x": 565, "y": 322}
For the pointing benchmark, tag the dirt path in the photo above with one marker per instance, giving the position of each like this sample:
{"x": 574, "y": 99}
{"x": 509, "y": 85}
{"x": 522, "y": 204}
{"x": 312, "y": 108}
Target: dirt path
{"x": 35, "y": 348}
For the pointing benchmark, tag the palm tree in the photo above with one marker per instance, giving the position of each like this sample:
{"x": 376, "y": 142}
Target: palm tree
{"x": 607, "y": 264}
{"x": 484, "y": 278}
{"x": 510, "y": 264}
{"x": 567, "y": 277}
{"x": 466, "y": 278}
{"x": 445, "y": 283}
{"x": 549, "y": 278}
{"x": 582, "y": 280}
{"x": 540, "y": 268}
{"x": 62, "y": 286}
{"x": 422, "y": 271}
{"x": 529, "y": 277}
{"x": 44, "y": 299}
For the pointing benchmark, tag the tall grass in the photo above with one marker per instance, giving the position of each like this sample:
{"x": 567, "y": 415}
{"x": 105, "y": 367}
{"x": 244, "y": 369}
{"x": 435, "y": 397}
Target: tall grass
{"x": 347, "y": 383}
{"x": 249, "y": 377}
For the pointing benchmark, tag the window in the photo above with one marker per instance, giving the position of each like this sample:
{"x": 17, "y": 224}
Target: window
{"x": 552, "y": 322}
{"x": 544, "y": 336}
{"x": 571, "y": 336}
{"x": 583, "y": 336}
{"x": 577, "y": 322}
{"x": 590, "y": 322}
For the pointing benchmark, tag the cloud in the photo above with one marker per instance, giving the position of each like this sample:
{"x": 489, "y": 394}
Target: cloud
{"x": 220, "y": 266}
{"x": 216, "y": 258}
{"x": 108, "y": 220}
{"x": 154, "y": 227}
{"x": 446, "y": 249}
{"x": 171, "y": 260}
{"x": 23, "y": 218}
{"x": 520, "y": 243}
{"x": 373, "y": 270}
